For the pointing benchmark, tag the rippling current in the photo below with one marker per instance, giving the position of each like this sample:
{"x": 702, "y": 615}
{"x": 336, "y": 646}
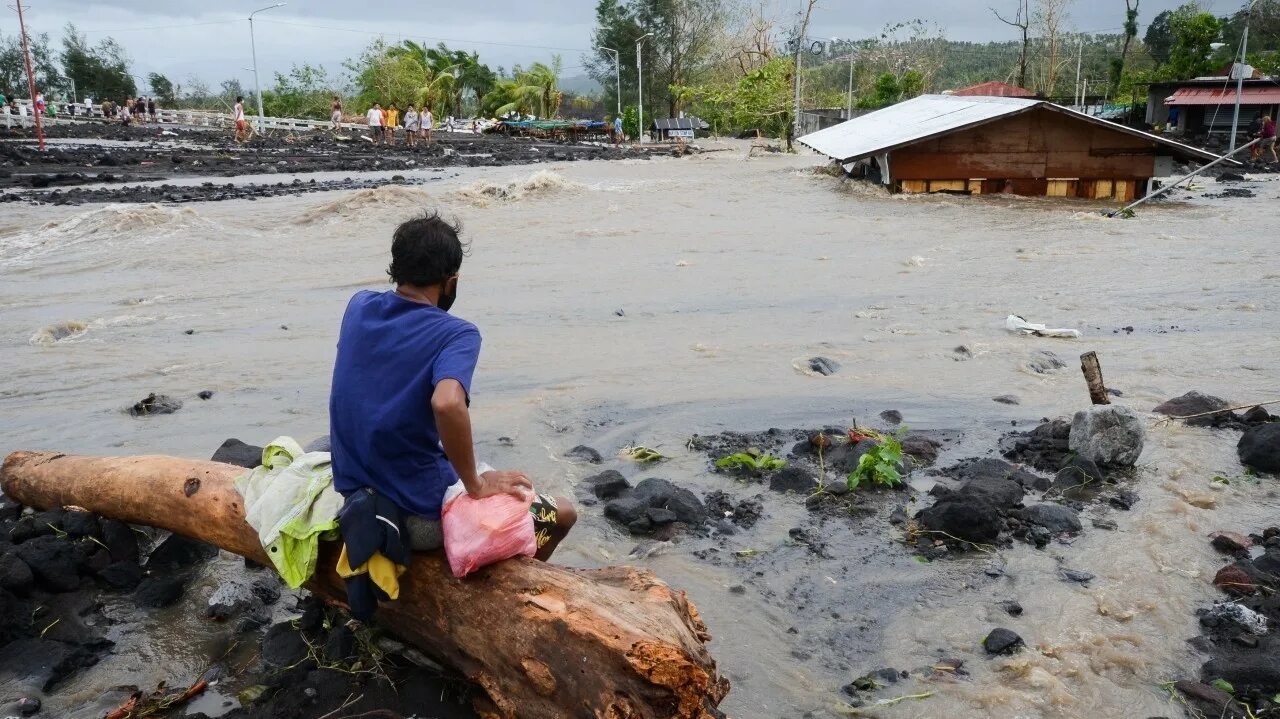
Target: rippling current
{"x": 647, "y": 301}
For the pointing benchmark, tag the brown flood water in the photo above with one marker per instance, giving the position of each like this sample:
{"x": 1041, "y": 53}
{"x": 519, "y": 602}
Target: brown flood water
{"x": 726, "y": 272}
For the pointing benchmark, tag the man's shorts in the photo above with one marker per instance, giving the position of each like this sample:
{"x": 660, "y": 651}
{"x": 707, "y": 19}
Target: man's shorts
{"x": 335, "y": 116}
{"x": 242, "y": 125}
{"x": 425, "y": 534}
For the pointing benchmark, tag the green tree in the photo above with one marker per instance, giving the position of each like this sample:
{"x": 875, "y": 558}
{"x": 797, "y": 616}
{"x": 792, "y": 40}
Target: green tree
{"x": 685, "y": 37}
{"x": 1159, "y": 37}
{"x": 1264, "y": 29}
{"x": 1194, "y": 30}
{"x": 453, "y": 76}
{"x": 305, "y": 92}
{"x": 13, "y": 72}
{"x": 100, "y": 71}
{"x": 631, "y": 121}
{"x": 163, "y": 88}
{"x": 384, "y": 76}
{"x": 535, "y": 91}
{"x": 759, "y": 100}
{"x": 890, "y": 89}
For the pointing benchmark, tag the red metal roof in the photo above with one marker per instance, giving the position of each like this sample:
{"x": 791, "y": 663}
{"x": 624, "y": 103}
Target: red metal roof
{"x": 1224, "y": 96}
{"x": 994, "y": 89}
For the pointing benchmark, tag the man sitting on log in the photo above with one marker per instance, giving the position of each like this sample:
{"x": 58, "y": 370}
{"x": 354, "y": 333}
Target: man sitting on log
{"x": 398, "y": 409}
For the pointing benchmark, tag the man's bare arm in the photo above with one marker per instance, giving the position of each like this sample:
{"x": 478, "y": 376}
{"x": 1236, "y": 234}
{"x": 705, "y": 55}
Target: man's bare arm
{"x": 453, "y": 421}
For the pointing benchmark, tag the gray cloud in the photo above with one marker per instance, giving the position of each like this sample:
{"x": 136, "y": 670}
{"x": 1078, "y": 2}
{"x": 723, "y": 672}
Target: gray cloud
{"x": 193, "y": 37}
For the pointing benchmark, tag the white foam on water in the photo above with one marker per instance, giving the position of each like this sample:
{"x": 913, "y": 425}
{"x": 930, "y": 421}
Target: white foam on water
{"x": 360, "y": 201}
{"x": 107, "y": 230}
{"x": 542, "y": 183}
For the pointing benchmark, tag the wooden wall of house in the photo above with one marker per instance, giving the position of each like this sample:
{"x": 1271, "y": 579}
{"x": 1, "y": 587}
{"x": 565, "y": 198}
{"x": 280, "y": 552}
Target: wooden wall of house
{"x": 1027, "y": 154}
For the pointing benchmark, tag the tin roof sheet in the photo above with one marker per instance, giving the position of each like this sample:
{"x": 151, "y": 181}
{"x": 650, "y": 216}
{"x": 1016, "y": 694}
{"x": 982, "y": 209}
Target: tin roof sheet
{"x": 930, "y": 116}
{"x": 1224, "y": 96}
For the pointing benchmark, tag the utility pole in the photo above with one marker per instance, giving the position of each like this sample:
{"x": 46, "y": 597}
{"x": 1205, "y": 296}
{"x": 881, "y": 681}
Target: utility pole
{"x": 1079, "y": 58}
{"x": 640, "y": 87}
{"x": 31, "y": 76}
{"x": 617, "y": 75}
{"x": 253, "y": 47}
{"x": 804, "y": 30}
{"x": 1244, "y": 49}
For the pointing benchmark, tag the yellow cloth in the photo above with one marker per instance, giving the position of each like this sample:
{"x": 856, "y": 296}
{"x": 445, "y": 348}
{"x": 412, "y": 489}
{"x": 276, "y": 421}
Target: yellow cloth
{"x": 393, "y": 118}
{"x": 383, "y": 572}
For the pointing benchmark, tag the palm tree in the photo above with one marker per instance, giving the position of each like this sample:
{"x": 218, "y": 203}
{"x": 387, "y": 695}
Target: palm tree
{"x": 477, "y": 78}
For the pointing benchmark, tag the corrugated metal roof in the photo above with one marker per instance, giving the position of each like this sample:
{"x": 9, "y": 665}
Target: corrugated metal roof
{"x": 994, "y": 88}
{"x": 930, "y": 116}
{"x": 680, "y": 123}
{"x": 1220, "y": 96}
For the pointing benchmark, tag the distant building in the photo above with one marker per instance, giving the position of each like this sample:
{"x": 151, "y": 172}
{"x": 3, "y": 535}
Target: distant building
{"x": 982, "y": 145}
{"x": 992, "y": 89}
{"x": 1205, "y": 105}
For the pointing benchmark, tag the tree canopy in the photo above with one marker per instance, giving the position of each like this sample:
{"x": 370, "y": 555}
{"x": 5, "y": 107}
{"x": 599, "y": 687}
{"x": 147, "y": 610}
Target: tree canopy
{"x": 100, "y": 71}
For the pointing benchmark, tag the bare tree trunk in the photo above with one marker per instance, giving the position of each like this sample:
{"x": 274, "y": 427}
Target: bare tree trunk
{"x": 1093, "y": 378}
{"x": 1022, "y": 21}
{"x": 1050, "y": 14}
{"x": 1130, "y": 32}
{"x": 544, "y": 642}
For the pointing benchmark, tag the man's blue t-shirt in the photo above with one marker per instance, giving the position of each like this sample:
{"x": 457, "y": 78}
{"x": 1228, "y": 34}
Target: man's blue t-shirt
{"x": 391, "y": 354}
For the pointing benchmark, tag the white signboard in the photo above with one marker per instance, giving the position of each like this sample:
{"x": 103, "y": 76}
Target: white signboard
{"x": 680, "y": 133}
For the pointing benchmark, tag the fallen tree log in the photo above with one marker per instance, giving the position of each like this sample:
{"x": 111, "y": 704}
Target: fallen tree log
{"x": 542, "y": 641}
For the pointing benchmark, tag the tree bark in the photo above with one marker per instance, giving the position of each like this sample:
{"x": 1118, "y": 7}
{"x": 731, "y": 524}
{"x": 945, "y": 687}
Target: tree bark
{"x": 1093, "y": 377}
{"x": 542, "y": 641}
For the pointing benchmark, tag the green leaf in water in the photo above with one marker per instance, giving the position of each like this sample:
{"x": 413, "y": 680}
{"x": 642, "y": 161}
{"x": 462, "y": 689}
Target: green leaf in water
{"x": 1221, "y": 481}
{"x": 751, "y": 459}
{"x": 251, "y": 694}
{"x": 643, "y": 455}
{"x": 1224, "y": 685}
{"x": 919, "y": 559}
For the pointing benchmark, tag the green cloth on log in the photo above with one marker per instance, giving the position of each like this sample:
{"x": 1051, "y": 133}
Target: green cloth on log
{"x": 290, "y": 500}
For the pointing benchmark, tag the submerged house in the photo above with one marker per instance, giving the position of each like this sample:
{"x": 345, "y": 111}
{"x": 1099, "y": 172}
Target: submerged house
{"x": 984, "y": 144}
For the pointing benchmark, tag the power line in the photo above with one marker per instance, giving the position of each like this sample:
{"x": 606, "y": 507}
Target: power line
{"x": 160, "y": 27}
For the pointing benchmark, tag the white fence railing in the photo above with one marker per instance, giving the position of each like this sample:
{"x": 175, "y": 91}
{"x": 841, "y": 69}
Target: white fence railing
{"x": 191, "y": 118}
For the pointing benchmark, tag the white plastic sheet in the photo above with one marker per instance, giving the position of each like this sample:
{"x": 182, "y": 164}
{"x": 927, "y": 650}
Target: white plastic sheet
{"x": 1014, "y": 323}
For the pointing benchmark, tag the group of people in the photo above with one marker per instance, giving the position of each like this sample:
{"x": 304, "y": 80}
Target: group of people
{"x": 385, "y": 122}
{"x": 131, "y": 110}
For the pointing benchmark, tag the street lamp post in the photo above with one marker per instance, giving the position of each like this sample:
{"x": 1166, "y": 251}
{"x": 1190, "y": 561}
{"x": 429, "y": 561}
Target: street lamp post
{"x": 617, "y": 75}
{"x": 1244, "y": 48}
{"x": 640, "y": 86}
{"x": 253, "y": 46}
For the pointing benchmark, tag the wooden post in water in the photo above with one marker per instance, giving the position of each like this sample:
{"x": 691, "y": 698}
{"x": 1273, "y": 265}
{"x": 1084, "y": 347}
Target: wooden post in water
{"x": 1093, "y": 377}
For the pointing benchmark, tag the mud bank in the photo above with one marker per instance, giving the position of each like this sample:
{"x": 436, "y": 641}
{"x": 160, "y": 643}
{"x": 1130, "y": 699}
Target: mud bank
{"x": 102, "y": 155}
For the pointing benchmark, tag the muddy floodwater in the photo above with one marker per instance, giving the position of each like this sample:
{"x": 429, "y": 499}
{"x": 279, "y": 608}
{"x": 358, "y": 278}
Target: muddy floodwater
{"x": 641, "y": 302}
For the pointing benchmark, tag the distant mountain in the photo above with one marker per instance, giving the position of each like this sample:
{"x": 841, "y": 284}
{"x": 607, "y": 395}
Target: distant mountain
{"x": 580, "y": 85}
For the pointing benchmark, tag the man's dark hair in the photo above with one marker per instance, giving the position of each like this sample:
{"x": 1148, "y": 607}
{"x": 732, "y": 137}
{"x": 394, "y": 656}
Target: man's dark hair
{"x": 239, "y": 98}
{"x": 425, "y": 251}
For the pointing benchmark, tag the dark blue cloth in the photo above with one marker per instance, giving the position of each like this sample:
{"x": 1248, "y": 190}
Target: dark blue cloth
{"x": 370, "y": 524}
{"x": 391, "y": 354}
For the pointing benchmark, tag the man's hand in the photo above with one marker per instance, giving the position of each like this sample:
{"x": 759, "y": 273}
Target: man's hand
{"x": 517, "y": 484}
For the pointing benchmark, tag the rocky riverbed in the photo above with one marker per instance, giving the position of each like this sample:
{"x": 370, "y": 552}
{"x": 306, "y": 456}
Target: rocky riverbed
{"x": 93, "y": 162}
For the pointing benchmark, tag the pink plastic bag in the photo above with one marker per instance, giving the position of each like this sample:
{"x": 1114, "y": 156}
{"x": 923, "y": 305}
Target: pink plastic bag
{"x": 480, "y": 532}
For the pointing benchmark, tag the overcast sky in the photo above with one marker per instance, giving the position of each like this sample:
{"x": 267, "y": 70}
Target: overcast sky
{"x": 210, "y": 40}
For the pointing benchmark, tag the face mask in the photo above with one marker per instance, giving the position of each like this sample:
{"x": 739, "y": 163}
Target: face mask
{"x": 447, "y": 297}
